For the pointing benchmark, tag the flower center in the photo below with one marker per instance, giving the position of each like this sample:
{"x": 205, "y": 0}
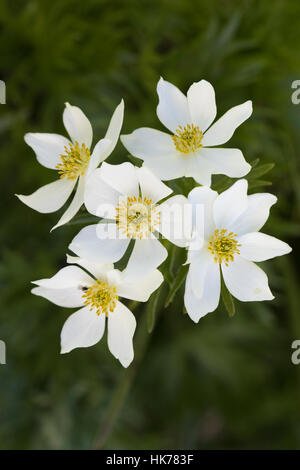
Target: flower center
{"x": 188, "y": 139}
{"x": 100, "y": 296}
{"x": 136, "y": 217}
{"x": 74, "y": 162}
{"x": 223, "y": 246}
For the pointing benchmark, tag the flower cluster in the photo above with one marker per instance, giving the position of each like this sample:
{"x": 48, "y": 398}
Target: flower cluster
{"x": 220, "y": 232}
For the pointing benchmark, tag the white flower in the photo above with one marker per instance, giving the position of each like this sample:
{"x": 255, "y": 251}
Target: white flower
{"x": 190, "y": 151}
{"x": 128, "y": 196}
{"x": 72, "y": 160}
{"x": 229, "y": 239}
{"x": 99, "y": 298}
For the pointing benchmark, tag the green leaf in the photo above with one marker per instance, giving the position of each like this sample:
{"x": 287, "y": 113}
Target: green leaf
{"x": 181, "y": 275}
{"x": 258, "y": 183}
{"x": 223, "y": 184}
{"x": 255, "y": 162}
{"x": 260, "y": 170}
{"x": 85, "y": 219}
{"x": 169, "y": 277}
{"x": 134, "y": 160}
{"x": 227, "y": 298}
{"x": 151, "y": 310}
{"x": 169, "y": 273}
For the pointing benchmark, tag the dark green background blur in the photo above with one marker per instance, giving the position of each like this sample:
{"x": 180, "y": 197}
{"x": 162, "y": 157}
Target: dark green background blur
{"x": 224, "y": 383}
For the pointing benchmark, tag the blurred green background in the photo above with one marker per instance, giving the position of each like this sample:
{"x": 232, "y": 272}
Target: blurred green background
{"x": 226, "y": 383}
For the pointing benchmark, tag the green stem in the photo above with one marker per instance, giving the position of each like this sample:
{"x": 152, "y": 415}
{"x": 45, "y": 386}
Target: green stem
{"x": 121, "y": 392}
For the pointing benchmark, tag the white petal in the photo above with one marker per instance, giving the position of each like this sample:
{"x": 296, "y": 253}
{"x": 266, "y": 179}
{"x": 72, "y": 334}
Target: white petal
{"x": 88, "y": 245}
{"x": 256, "y": 214}
{"x": 65, "y": 287}
{"x": 168, "y": 168}
{"x": 151, "y": 186}
{"x": 122, "y": 178}
{"x": 199, "y": 168}
{"x": 202, "y": 200}
{"x": 172, "y": 109}
{"x": 114, "y": 277}
{"x": 198, "y": 307}
{"x": 146, "y": 256}
{"x": 98, "y": 270}
{"x": 114, "y": 128}
{"x": 82, "y": 329}
{"x": 69, "y": 276}
{"x": 175, "y": 222}
{"x": 98, "y": 154}
{"x": 222, "y": 130}
{"x": 202, "y": 104}
{"x": 198, "y": 271}
{"x": 230, "y": 162}
{"x": 77, "y": 125}
{"x": 49, "y": 198}
{"x": 100, "y": 198}
{"x": 121, "y": 328}
{"x": 258, "y": 246}
{"x": 75, "y": 205}
{"x": 47, "y": 147}
{"x": 106, "y": 146}
{"x": 146, "y": 143}
{"x": 139, "y": 290}
{"x": 230, "y": 204}
{"x": 68, "y": 297}
{"x": 246, "y": 281}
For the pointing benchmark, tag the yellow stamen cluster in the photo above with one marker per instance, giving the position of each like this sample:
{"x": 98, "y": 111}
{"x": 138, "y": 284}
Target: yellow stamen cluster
{"x": 100, "y": 296}
{"x": 223, "y": 246}
{"x": 74, "y": 161}
{"x": 188, "y": 139}
{"x": 136, "y": 217}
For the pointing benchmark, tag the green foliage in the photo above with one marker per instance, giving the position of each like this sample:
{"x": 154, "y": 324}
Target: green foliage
{"x": 151, "y": 310}
{"x": 227, "y": 298}
{"x": 176, "y": 284}
{"x": 223, "y": 383}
